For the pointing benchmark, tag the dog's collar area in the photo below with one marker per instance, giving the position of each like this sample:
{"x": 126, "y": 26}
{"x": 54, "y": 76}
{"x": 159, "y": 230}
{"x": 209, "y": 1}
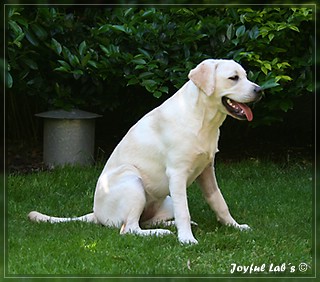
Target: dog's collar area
{"x": 237, "y": 110}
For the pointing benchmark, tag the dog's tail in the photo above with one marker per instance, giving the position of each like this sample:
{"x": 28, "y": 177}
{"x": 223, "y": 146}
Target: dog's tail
{"x": 38, "y": 217}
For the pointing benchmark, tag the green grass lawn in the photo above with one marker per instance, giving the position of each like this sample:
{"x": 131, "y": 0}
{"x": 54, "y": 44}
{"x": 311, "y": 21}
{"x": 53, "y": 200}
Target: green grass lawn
{"x": 275, "y": 200}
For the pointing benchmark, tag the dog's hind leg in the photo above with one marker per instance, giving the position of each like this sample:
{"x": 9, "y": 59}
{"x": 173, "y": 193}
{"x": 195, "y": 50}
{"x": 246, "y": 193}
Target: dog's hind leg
{"x": 164, "y": 215}
{"x": 134, "y": 204}
{"x": 160, "y": 215}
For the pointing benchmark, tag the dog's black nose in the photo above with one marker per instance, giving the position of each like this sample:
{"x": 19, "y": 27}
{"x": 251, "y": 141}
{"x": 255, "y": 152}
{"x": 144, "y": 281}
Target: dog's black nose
{"x": 259, "y": 92}
{"x": 257, "y": 89}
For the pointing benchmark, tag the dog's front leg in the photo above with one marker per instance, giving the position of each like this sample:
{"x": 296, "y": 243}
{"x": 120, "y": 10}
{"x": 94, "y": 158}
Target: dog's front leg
{"x": 214, "y": 198}
{"x": 178, "y": 192}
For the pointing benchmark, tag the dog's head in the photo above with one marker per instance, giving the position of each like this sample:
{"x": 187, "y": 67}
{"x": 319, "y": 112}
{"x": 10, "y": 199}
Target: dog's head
{"x": 226, "y": 81}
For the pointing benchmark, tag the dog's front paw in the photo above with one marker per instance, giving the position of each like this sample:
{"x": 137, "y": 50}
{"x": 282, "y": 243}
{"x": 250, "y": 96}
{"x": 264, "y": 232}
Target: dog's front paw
{"x": 162, "y": 232}
{"x": 243, "y": 227}
{"x": 187, "y": 240}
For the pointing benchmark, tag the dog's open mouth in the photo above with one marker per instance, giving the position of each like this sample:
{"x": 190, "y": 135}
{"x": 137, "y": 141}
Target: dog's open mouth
{"x": 237, "y": 110}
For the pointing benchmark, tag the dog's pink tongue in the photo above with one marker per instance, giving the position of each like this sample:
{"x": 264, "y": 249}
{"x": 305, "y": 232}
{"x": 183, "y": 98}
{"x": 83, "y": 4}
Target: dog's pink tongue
{"x": 247, "y": 111}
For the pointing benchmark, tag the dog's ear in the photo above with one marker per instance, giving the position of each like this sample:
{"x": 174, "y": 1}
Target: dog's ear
{"x": 203, "y": 76}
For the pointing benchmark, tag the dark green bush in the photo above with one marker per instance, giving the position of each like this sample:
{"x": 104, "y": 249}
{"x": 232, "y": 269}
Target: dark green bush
{"x": 87, "y": 57}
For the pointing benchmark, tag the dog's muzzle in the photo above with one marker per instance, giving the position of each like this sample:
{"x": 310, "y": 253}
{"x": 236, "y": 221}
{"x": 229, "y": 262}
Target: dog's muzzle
{"x": 239, "y": 110}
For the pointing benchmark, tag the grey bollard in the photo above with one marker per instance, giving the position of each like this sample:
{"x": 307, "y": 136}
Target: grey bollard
{"x": 68, "y": 137}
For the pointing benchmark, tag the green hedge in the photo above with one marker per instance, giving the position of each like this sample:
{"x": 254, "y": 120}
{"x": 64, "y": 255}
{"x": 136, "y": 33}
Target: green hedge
{"x": 82, "y": 57}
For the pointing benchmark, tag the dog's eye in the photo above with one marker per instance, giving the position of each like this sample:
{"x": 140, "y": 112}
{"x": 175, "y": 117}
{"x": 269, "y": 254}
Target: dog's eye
{"x": 235, "y": 77}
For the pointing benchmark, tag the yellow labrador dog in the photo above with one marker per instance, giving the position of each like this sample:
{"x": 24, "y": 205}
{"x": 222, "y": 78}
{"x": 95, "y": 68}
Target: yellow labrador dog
{"x": 145, "y": 180}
